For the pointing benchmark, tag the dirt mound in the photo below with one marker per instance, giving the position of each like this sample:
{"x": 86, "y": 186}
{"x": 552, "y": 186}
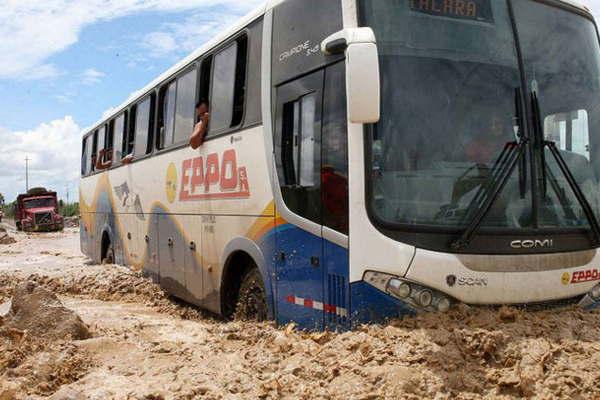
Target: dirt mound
{"x": 71, "y": 222}
{"x": 36, "y": 352}
{"x": 30, "y": 366}
{"x": 5, "y": 238}
{"x": 40, "y": 313}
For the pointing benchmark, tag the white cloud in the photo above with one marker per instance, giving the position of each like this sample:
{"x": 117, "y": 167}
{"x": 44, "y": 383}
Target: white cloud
{"x": 159, "y": 43}
{"x": 40, "y": 72}
{"x": 185, "y": 37}
{"x": 54, "y": 150}
{"x": 32, "y": 31}
{"x": 92, "y": 76}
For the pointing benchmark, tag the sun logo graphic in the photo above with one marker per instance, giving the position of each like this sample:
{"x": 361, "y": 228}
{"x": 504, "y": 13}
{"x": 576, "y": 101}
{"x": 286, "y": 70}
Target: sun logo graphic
{"x": 566, "y": 278}
{"x": 171, "y": 183}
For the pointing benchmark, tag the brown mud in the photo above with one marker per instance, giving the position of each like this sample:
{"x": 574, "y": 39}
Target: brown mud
{"x": 5, "y": 238}
{"x": 144, "y": 345}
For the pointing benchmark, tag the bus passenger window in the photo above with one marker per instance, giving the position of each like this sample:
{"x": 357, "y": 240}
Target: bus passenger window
{"x": 94, "y": 151}
{"x": 110, "y": 140}
{"x": 84, "y": 158}
{"x": 166, "y": 117}
{"x": 118, "y": 127}
{"x": 130, "y": 143}
{"x": 104, "y": 156}
{"x": 143, "y": 128}
{"x": 101, "y": 139}
{"x": 229, "y": 86}
{"x": 239, "y": 96}
{"x": 205, "y": 70}
{"x": 185, "y": 109}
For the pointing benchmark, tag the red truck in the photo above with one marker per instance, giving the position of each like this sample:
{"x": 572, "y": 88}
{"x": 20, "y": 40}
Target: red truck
{"x": 37, "y": 211}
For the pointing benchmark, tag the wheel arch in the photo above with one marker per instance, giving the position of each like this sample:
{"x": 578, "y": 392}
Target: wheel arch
{"x": 241, "y": 254}
{"x": 106, "y": 239}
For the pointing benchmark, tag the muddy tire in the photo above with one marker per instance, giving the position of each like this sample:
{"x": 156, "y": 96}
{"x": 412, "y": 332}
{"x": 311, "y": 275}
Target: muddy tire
{"x": 18, "y": 226}
{"x": 109, "y": 258}
{"x": 252, "y": 301}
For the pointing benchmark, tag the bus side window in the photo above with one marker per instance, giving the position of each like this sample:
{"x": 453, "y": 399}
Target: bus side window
{"x": 118, "y": 129}
{"x": 94, "y": 152}
{"x": 101, "y": 139}
{"x": 143, "y": 127}
{"x": 130, "y": 145}
{"x": 229, "y": 86}
{"x": 185, "y": 107}
{"x": 84, "y": 157}
{"x": 205, "y": 71}
{"x": 109, "y": 140}
{"x": 166, "y": 115}
{"x": 334, "y": 170}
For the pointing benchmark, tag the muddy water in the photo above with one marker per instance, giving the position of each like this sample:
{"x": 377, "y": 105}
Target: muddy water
{"x": 146, "y": 346}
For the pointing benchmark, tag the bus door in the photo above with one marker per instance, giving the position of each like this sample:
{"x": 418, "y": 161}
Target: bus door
{"x": 299, "y": 267}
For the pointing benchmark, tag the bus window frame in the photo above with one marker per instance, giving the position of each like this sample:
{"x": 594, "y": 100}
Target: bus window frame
{"x": 117, "y": 162}
{"x": 183, "y": 72}
{"x": 150, "y": 139}
{"x": 84, "y": 155}
{"x": 223, "y": 46}
{"x": 158, "y": 111}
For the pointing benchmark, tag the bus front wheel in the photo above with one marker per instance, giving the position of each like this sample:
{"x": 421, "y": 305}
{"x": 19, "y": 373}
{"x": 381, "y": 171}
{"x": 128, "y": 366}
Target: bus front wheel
{"x": 252, "y": 304}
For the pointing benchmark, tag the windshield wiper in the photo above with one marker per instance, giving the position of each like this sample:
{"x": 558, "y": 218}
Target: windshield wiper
{"x": 501, "y": 172}
{"x": 564, "y": 168}
{"x": 488, "y": 193}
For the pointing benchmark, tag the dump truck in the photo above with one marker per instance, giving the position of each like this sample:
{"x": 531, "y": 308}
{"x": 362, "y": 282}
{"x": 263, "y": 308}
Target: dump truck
{"x": 37, "y": 211}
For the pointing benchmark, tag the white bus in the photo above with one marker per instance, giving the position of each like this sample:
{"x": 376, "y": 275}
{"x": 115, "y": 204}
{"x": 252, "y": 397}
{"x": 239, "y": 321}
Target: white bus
{"x": 365, "y": 160}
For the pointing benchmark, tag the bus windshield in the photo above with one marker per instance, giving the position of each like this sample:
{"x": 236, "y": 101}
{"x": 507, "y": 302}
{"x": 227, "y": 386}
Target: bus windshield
{"x": 452, "y": 92}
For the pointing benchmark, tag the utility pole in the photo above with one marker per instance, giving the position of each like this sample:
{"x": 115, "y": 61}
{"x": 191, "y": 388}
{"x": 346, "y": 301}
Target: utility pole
{"x": 67, "y": 194}
{"x": 27, "y": 174}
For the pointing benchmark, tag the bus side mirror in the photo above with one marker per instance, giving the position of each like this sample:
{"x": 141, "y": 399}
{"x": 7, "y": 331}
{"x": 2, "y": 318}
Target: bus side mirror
{"x": 362, "y": 72}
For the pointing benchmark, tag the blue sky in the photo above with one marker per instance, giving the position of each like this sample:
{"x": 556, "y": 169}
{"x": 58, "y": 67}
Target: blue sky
{"x": 65, "y": 62}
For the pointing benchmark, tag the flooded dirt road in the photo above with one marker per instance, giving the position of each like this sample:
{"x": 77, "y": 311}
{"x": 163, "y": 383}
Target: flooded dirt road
{"x": 143, "y": 345}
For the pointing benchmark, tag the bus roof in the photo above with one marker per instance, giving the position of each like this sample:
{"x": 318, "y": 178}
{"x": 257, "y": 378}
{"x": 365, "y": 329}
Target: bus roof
{"x": 241, "y": 23}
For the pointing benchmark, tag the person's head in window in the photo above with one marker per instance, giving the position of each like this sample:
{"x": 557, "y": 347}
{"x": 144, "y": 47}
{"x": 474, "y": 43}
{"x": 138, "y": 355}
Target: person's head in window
{"x": 202, "y": 121}
{"x": 202, "y": 109}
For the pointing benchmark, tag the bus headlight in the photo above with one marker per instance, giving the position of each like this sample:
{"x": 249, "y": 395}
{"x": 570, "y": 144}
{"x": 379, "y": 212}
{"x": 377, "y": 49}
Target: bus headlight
{"x": 399, "y": 288}
{"x": 425, "y": 298}
{"x": 444, "y": 305}
{"x": 408, "y": 292}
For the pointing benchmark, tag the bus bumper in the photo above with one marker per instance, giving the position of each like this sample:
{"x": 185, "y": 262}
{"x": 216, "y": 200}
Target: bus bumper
{"x": 382, "y": 296}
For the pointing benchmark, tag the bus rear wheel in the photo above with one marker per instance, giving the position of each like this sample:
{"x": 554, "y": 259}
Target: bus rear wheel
{"x": 252, "y": 303}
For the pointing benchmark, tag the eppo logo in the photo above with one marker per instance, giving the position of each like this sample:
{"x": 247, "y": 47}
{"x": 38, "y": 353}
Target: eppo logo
{"x": 590, "y": 275}
{"x": 213, "y": 178}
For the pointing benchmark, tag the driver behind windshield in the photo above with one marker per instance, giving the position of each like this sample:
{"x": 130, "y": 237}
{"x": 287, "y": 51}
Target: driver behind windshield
{"x": 485, "y": 146}
{"x": 481, "y": 153}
